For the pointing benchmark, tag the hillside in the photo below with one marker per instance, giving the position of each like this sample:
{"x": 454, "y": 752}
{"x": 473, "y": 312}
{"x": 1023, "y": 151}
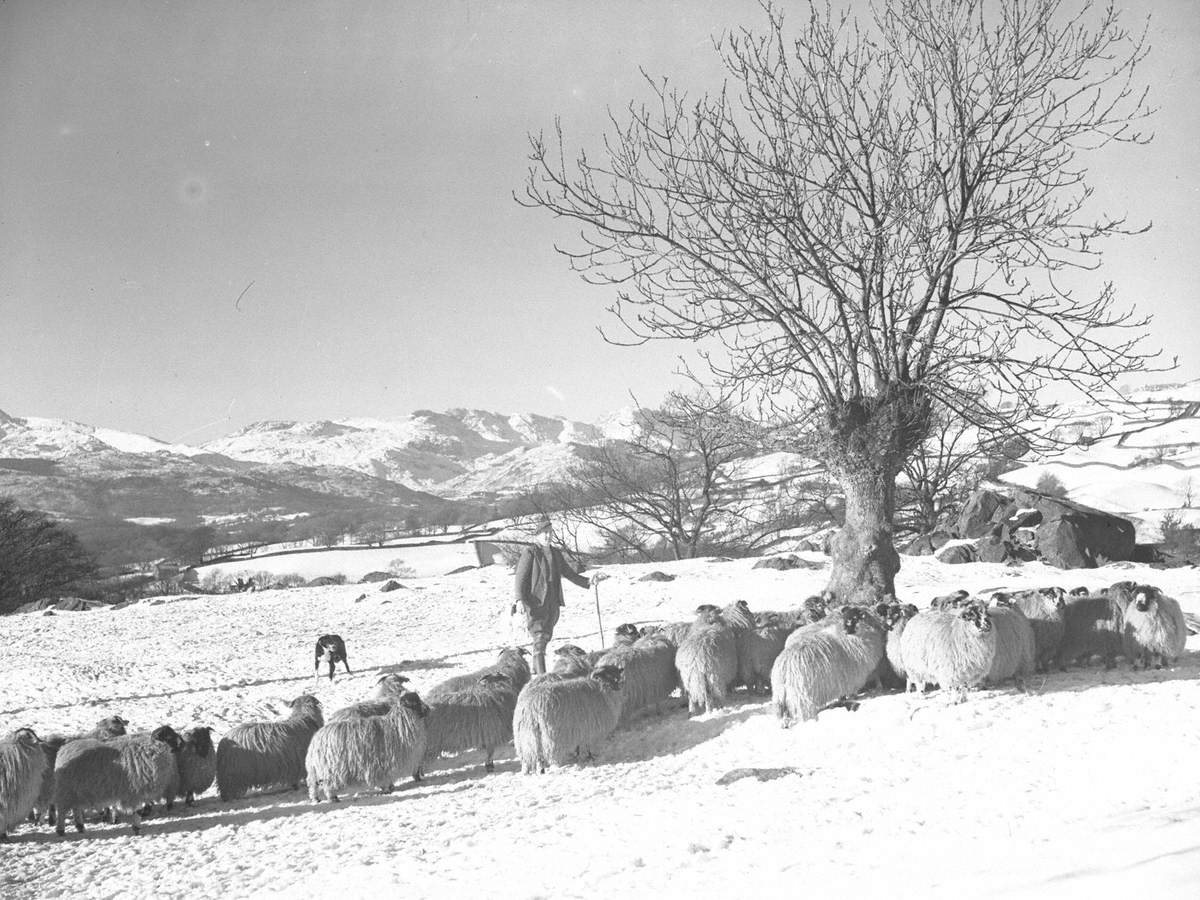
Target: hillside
{"x": 1077, "y": 787}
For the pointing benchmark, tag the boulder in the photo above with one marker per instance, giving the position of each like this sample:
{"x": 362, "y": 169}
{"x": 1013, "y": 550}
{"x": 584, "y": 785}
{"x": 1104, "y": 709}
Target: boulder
{"x": 657, "y": 576}
{"x": 372, "y": 577}
{"x": 390, "y": 586}
{"x": 994, "y": 549}
{"x": 323, "y": 581}
{"x": 956, "y": 553}
{"x": 925, "y": 544}
{"x": 1065, "y": 534}
{"x": 785, "y": 563}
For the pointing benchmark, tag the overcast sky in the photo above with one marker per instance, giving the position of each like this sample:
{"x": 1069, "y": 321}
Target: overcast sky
{"x": 213, "y": 213}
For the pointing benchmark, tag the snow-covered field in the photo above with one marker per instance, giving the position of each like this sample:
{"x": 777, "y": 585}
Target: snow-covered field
{"x": 1084, "y": 787}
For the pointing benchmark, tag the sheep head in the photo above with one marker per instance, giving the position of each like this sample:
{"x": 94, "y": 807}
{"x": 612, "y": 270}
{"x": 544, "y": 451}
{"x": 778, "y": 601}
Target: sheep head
{"x": 1145, "y": 597}
{"x": 167, "y": 735}
{"x": 852, "y": 617}
{"x": 609, "y": 677}
{"x": 411, "y": 700}
{"x": 976, "y": 613}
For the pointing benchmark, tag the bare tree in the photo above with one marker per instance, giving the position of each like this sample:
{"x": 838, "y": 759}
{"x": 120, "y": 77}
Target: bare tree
{"x": 868, "y": 219}
{"x": 38, "y": 556}
{"x": 675, "y": 482}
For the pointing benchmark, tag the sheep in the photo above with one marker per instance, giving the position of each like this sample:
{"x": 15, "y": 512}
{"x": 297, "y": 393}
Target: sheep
{"x": 510, "y": 662}
{"x": 1043, "y": 607}
{"x": 824, "y": 663}
{"x": 674, "y": 632}
{"x": 895, "y": 617}
{"x": 1015, "y": 655}
{"x": 707, "y": 662}
{"x": 388, "y": 689}
{"x": 647, "y": 673}
{"x": 22, "y": 770}
{"x": 124, "y": 773}
{"x": 1154, "y": 628}
{"x": 571, "y": 661}
{"x": 373, "y": 751}
{"x": 950, "y": 601}
{"x": 626, "y": 634}
{"x": 1092, "y": 626}
{"x": 953, "y": 648}
{"x": 479, "y": 716}
{"x": 762, "y": 645}
{"x": 264, "y": 754}
{"x": 106, "y": 729}
{"x": 557, "y": 717}
{"x": 197, "y": 763}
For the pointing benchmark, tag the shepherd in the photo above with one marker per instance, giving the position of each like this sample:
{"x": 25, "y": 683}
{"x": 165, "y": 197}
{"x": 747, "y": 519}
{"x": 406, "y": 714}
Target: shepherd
{"x": 540, "y": 571}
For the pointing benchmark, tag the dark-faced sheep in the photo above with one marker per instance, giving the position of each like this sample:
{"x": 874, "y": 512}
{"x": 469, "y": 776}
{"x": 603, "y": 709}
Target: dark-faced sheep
{"x": 895, "y": 617}
{"x": 197, "y": 762}
{"x": 760, "y": 648}
{"x": 557, "y": 718}
{"x": 626, "y": 634}
{"x": 825, "y": 663}
{"x": 374, "y": 752}
{"x": 476, "y": 717}
{"x": 1015, "y": 655}
{"x": 510, "y": 662}
{"x": 22, "y": 769}
{"x": 707, "y": 662}
{"x": 123, "y": 774}
{"x": 268, "y": 754}
{"x": 1044, "y": 608}
{"x": 571, "y": 661}
{"x": 105, "y": 730}
{"x": 1155, "y": 632}
{"x": 950, "y": 601}
{"x": 648, "y": 674}
{"x": 1092, "y": 626}
{"x": 952, "y": 648}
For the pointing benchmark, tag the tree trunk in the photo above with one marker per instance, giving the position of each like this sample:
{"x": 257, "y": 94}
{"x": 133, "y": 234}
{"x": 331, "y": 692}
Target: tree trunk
{"x": 864, "y": 558}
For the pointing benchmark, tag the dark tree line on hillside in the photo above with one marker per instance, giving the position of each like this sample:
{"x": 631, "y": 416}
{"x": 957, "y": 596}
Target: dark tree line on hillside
{"x": 874, "y": 218}
{"x": 38, "y": 557}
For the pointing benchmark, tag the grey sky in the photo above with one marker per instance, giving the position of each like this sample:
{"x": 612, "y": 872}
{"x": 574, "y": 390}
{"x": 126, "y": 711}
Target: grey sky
{"x": 346, "y": 170}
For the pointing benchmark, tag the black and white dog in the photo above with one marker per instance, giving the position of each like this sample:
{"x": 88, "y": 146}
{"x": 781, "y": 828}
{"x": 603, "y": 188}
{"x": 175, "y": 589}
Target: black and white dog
{"x": 331, "y": 649}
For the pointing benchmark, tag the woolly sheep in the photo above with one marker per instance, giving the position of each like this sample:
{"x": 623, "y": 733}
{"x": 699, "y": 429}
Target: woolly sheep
{"x": 197, "y": 763}
{"x": 895, "y": 617}
{"x": 510, "y": 662}
{"x": 571, "y": 661}
{"x": 1015, "y": 655}
{"x": 825, "y": 663}
{"x": 1092, "y": 626}
{"x": 647, "y": 673}
{"x": 105, "y": 730}
{"x": 374, "y": 751}
{"x": 953, "y": 648}
{"x": 626, "y": 634}
{"x": 388, "y": 689}
{"x": 265, "y": 754}
{"x": 124, "y": 774}
{"x": 22, "y": 769}
{"x": 674, "y": 632}
{"x": 558, "y": 717}
{"x": 477, "y": 717}
{"x": 760, "y": 648}
{"x": 1043, "y": 607}
{"x": 950, "y": 601}
{"x": 1154, "y": 628}
{"x": 707, "y": 662}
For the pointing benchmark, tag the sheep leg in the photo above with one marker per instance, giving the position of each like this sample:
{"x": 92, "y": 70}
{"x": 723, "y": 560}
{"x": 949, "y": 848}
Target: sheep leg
{"x": 190, "y": 799}
{"x": 78, "y": 821}
{"x": 51, "y": 814}
{"x": 146, "y": 810}
{"x": 136, "y": 822}
{"x": 489, "y": 765}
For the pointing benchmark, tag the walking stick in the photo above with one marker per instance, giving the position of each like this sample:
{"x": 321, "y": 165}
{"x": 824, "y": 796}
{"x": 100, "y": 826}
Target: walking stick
{"x": 599, "y": 621}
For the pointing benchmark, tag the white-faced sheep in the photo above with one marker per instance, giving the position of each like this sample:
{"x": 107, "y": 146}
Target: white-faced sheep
{"x": 647, "y": 673}
{"x": 1043, "y": 607}
{"x": 123, "y": 774}
{"x": 1155, "y": 631}
{"x": 22, "y": 770}
{"x": 895, "y": 618}
{"x": 1015, "y": 654}
{"x": 557, "y": 718}
{"x": 476, "y": 717}
{"x": 707, "y": 662}
{"x": 825, "y": 663}
{"x": 388, "y": 689}
{"x": 1092, "y": 626}
{"x": 267, "y": 754}
{"x": 510, "y": 662}
{"x": 374, "y": 751}
{"x": 953, "y": 648}
{"x": 105, "y": 730}
{"x": 197, "y": 761}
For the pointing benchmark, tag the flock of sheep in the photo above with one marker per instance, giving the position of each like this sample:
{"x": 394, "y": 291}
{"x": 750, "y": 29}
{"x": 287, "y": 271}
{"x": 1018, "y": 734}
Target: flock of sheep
{"x": 811, "y": 658}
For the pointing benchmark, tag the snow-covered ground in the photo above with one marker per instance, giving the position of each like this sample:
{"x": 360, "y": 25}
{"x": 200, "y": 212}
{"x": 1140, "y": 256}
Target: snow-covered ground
{"x": 1083, "y": 787}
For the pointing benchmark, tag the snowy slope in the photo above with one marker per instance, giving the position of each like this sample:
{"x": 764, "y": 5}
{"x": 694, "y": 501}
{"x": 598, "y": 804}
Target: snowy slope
{"x": 1082, "y": 787}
